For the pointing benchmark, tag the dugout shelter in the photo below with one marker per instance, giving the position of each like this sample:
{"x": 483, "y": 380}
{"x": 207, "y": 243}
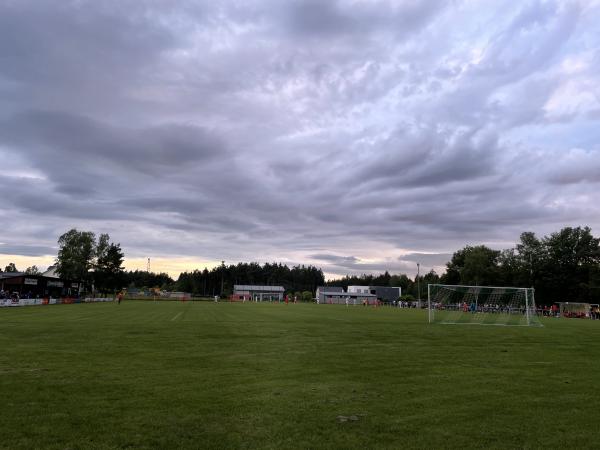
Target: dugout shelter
{"x": 37, "y": 286}
{"x": 574, "y": 310}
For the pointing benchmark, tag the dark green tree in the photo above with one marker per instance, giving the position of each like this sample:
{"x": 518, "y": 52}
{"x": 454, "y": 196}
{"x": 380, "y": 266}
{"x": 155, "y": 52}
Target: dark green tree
{"x": 473, "y": 266}
{"x": 33, "y": 270}
{"x": 566, "y": 272}
{"x": 76, "y": 255}
{"x": 401, "y": 281}
{"x": 531, "y": 256}
{"x": 481, "y": 266}
{"x": 108, "y": 267}
{"x": 11, "y": 268}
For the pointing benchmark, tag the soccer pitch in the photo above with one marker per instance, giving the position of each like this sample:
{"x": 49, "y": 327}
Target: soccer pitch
{"x": 220, "y": 375}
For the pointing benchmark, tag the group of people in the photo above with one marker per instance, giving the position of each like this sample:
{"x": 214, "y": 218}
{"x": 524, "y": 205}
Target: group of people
{"x": 549, "y": 311}
{"x": 593, "y": 313}
{"x": 474, "y": 307}
{"x": 6, "y": 295}
{"x": 15, "y": 295}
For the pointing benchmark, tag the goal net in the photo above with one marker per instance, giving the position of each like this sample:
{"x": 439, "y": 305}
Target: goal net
{"x": 481, "y": 305}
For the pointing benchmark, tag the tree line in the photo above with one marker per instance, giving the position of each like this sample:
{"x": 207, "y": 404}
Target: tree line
{"x": 220, "y": 280}
{"x": 564, "y": 266}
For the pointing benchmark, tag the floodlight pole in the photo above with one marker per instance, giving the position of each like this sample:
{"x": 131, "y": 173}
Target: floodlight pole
{"x": 222, "y": 274}
{"x": 527, "y": 305}
{"x": 418, "y": 286}
{"x": 429, "y": 301}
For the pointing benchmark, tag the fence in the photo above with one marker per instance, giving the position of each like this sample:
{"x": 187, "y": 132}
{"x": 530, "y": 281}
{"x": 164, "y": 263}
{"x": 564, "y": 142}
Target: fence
{"x": 50, "y": 301}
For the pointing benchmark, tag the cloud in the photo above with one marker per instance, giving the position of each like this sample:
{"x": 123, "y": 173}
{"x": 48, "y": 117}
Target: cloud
{"x": 429, "y": 259}
{"x": 359, "y": 135}
{"x": 576, "y": 166}
{"x": 27, "y": 250}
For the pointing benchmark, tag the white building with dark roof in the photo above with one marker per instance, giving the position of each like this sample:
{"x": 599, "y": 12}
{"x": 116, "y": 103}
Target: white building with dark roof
{"x": 257, "y": 292}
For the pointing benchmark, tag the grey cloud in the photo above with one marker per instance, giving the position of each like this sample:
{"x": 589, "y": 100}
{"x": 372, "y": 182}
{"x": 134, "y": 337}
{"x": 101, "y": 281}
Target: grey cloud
{"x": 433, "y": 159}
{"x": 326, "y": 19}
{"x": 576, "y": 166}
{"x": 346, "y": 265}
{"x": 80, "y": 154}
{"x": 428, "y": 259}
{"x": 306, "y": 129}
{"x": 526, "y": 47}
{"x": 338, "y": 260}
{"x": 27, "y": 250}
{"x": 82, "y": 55}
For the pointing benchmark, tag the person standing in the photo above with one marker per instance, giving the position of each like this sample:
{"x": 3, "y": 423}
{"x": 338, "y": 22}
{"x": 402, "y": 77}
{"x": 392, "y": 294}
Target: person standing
{"x": 119, "y": 297}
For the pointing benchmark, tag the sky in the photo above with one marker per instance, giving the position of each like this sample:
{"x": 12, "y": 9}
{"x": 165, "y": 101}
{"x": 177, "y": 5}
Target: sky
{"x": 358, "y": 135}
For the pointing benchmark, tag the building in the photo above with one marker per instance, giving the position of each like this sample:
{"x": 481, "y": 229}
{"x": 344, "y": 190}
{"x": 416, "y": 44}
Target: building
{"x": 359, "y": 290}
{"x": 322, "y": 290}
{"x": 340, "y": 297}
{"x": 37, "y": 286}
{"x": 257, "y": 293}
{"x": 333, "y": 294}
{"x": 386, "y": 294}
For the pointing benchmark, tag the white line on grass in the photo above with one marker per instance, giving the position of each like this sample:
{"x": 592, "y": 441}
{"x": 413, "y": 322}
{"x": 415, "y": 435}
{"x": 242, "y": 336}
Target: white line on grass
{"x": 176, "y": 316}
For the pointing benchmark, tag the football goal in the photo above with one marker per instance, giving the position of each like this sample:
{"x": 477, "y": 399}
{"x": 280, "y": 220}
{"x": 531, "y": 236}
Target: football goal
{"x": 481, "y": 305}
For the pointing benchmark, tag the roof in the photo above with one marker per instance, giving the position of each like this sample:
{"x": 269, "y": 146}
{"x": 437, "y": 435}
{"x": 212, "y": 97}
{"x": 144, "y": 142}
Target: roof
{"x": 348, "y": 294}
{"x": 330, "y": 289}
{"x": 255, "y": 288}
{"x": 11, "y": 274}
{"x": 51, "y": 272}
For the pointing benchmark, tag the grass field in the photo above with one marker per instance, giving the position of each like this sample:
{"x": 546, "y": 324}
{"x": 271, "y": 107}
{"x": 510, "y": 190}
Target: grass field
{"x": 206, "y": 375}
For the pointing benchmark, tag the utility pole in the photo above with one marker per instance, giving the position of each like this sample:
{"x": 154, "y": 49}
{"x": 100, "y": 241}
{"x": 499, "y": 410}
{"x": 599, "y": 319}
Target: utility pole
{"x": 418, "y": 285}
{"x": 531, "y": 270}
{"x": 222, "y": 274}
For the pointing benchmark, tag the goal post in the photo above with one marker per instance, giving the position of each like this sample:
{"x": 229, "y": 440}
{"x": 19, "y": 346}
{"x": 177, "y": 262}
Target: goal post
{"x": 481, "y": 305}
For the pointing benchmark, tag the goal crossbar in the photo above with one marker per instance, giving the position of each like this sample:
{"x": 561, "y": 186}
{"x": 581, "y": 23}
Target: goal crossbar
{"x": 482, "y": 287}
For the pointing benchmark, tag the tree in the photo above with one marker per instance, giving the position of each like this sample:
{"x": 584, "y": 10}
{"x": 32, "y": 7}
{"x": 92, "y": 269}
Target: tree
{"x": 569, "y": 265}
{"x": 382, "y": 280}
{"x": 108, "y": 270}
{"x": 511, "y": 269}
{"x": 481, "y": 266}
{"x": 11, "y": 268}
{"x": 454, "y": 267}
{"x": 76, "y": 255}
{"x": 473, "y": 266}
{"x": 431, "y": 277}
{"x": 531, "y": 255}
{"x": 33, "y": 270}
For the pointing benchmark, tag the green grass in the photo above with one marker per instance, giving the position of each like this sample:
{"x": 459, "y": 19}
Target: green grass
{"x": 206, "y": 375}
